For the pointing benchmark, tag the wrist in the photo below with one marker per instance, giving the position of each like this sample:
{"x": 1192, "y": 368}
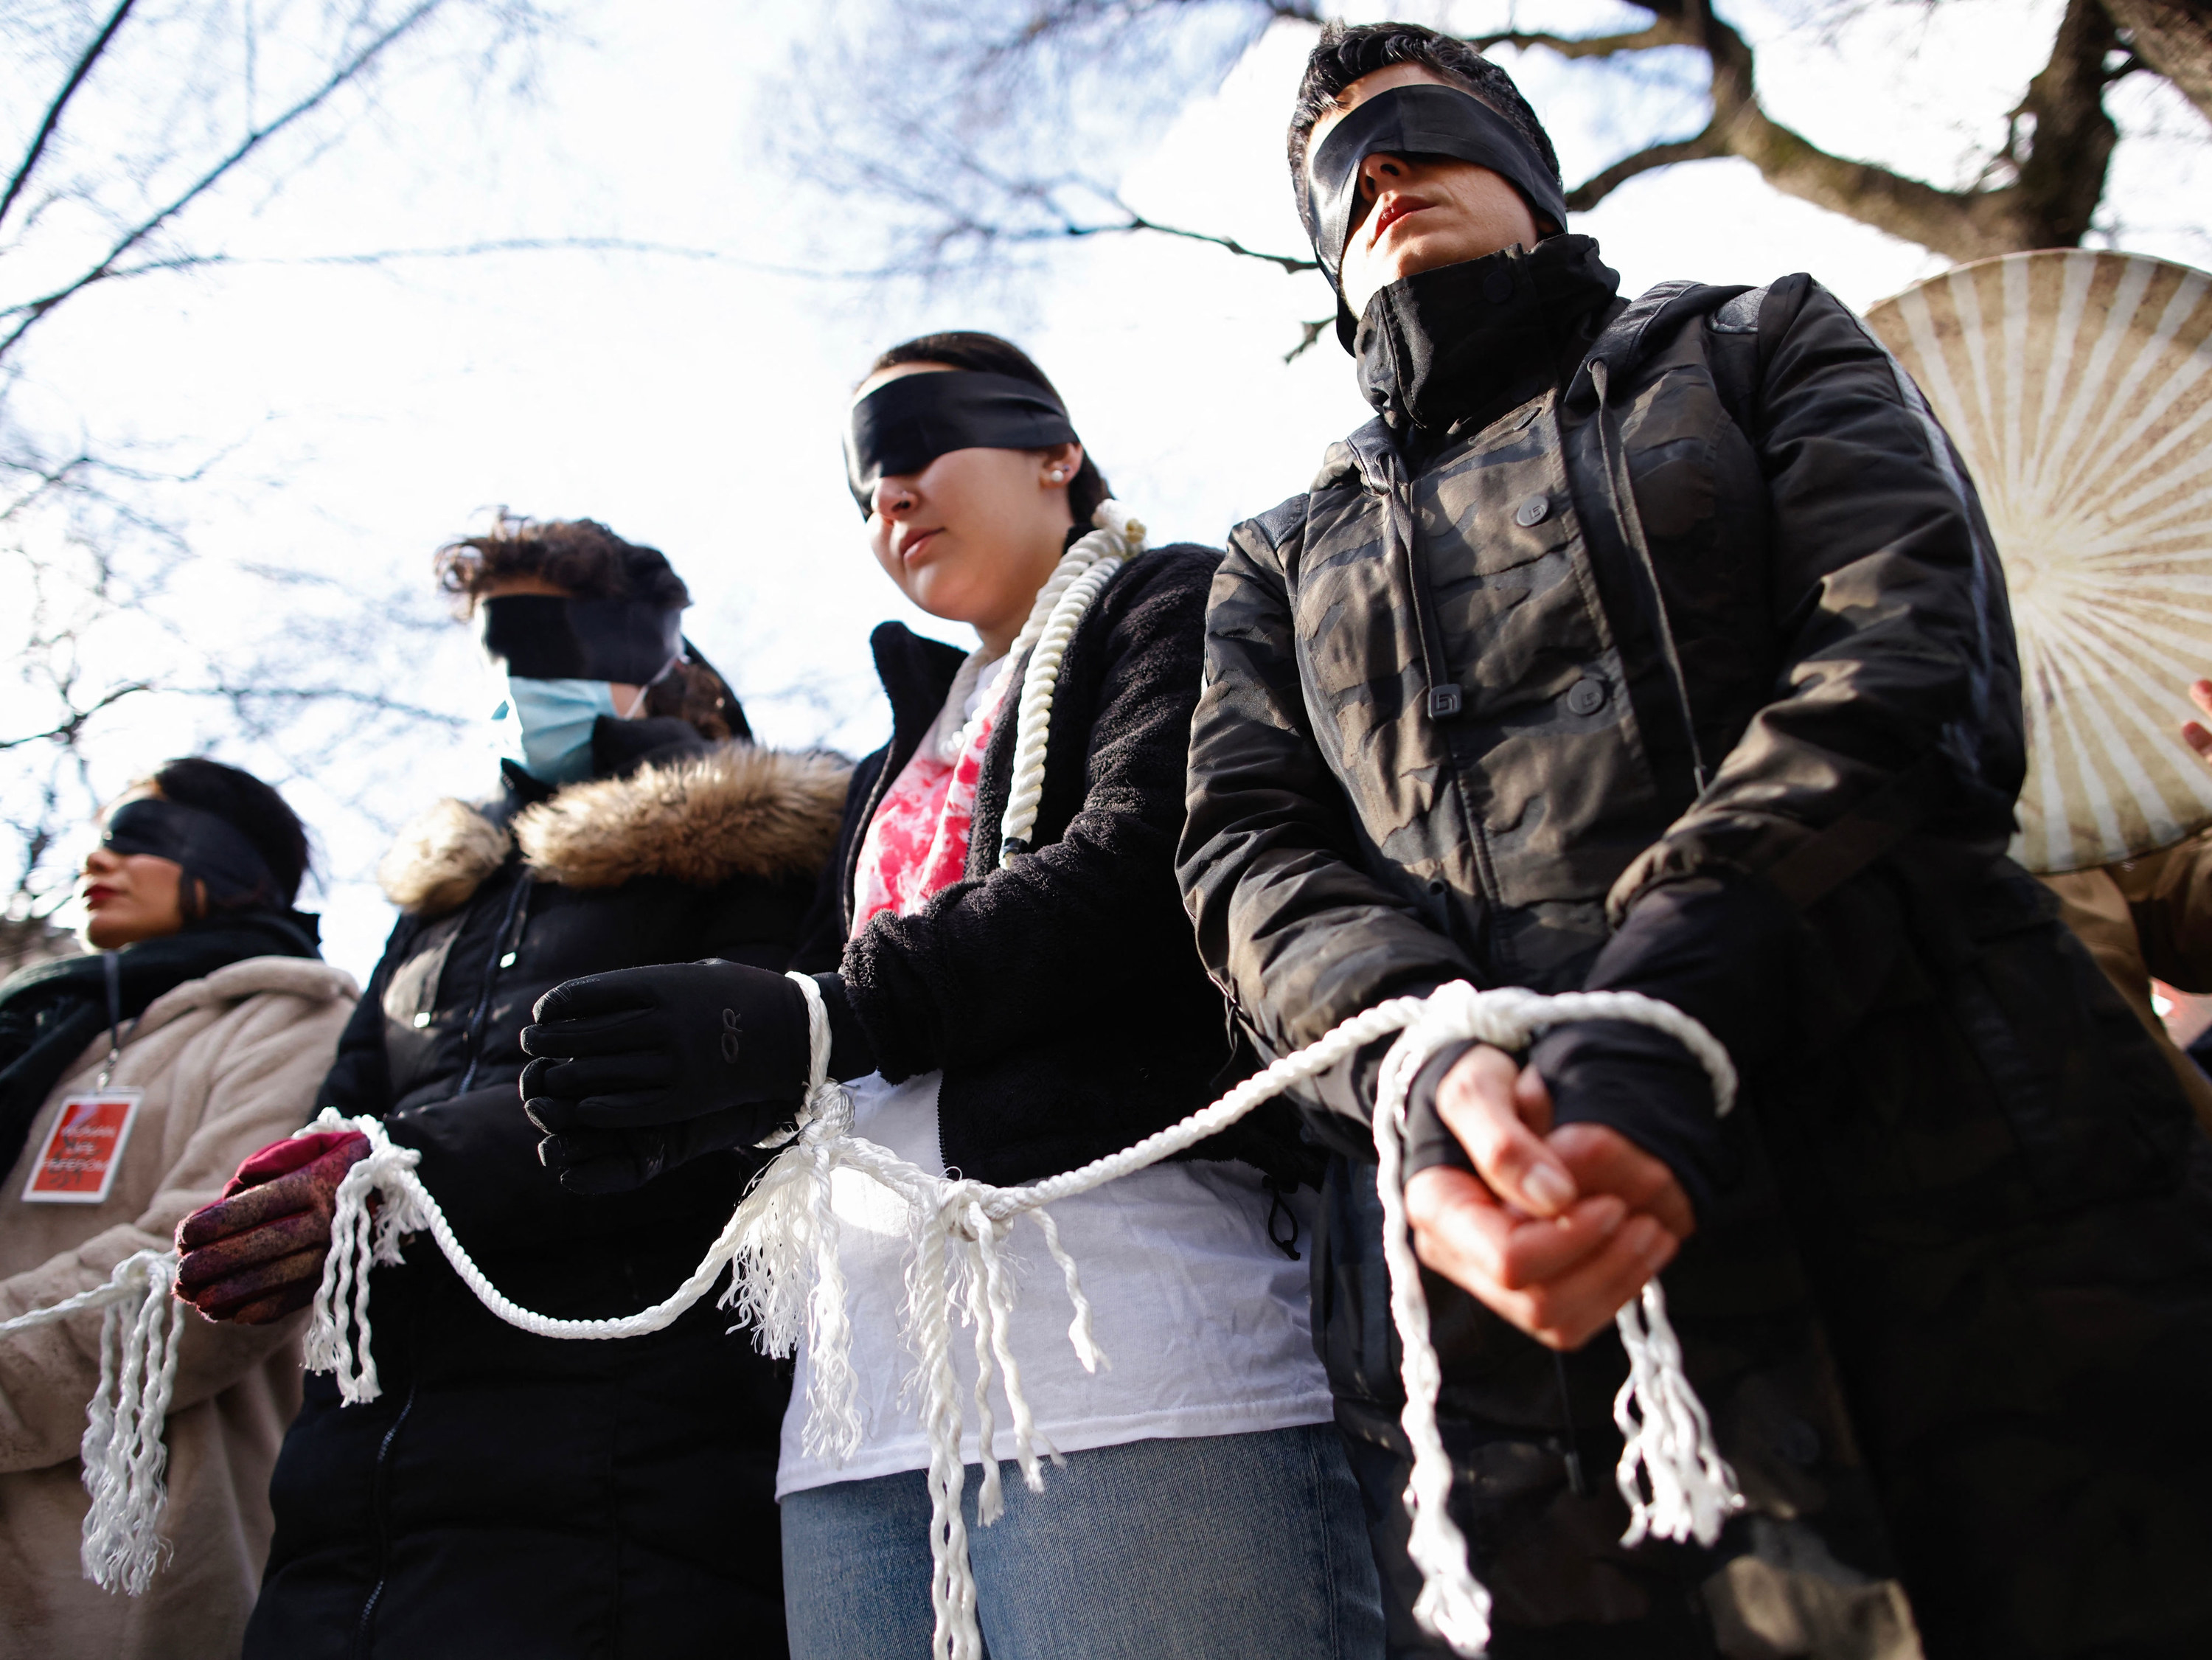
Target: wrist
{"x": 852, "y": 1055}
{"x": 1429, "y": 1141}
{"x": 1646, "y": 1087}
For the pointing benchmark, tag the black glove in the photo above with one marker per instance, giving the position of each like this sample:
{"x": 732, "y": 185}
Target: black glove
{"x": 644, "y": 1068}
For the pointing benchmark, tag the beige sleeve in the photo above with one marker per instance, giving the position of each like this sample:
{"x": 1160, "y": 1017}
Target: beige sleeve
{"x": 261, "y": 1087}
{"x": 2170, "y": 893}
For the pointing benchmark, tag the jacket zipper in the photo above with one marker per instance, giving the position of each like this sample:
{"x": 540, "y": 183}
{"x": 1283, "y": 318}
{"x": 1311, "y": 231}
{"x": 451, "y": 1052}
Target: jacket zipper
{"x": 379, "y": 1498}
{"x": 1443, "y": 699}
{"x": 503, "y": 942}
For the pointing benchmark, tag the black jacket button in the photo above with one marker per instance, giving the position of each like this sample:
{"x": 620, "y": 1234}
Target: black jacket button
{"x": 1586, "y": 696}
{"x": 1532, "y": 510}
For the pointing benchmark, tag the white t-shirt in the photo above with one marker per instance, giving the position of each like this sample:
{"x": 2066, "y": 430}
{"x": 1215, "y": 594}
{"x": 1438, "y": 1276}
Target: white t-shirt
{"x": 1203, "y": 1322}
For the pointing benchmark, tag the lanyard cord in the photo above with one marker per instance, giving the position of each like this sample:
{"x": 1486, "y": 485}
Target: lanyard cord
{"x": 112, "y": 972}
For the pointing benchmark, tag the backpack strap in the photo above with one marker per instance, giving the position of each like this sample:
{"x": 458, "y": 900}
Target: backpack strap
{"x": 1744, "y": 331}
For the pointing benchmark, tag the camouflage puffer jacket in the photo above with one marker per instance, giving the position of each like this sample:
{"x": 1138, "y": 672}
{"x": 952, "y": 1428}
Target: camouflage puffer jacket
{"x": 1743, "y": 735}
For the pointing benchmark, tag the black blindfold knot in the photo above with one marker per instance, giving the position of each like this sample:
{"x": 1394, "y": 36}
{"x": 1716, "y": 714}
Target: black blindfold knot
{"x": 904, "y": 424}
{"x": 1418, "y": 121}
{"x": 543, "y": 636}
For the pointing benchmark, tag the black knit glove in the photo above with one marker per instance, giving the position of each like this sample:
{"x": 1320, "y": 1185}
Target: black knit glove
{"x": 642, "y": 1069}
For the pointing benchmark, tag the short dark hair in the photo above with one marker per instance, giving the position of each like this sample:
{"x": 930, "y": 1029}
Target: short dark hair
{"x": 580, "y": 555}
{"x": 247, "y": 805}
{"x": 986, "y": 354}
{"x": 1344, "y": 54}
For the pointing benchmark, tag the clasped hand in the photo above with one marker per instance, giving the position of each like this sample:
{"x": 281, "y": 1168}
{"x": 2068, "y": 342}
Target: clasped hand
{"x": 1556, "y": 1228}
{"x": 641, "y": 1069}
{"x": 256, "y": 1254}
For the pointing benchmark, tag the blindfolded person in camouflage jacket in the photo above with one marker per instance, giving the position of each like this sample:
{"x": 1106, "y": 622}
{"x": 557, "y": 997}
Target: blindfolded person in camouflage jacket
{"x": 1660, "y": 646}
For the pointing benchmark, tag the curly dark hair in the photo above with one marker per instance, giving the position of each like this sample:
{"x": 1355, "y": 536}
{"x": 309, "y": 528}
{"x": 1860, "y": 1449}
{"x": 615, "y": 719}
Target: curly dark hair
{"x": 1344, "y": 54}
{"x": 986, "y": 354}
{"x": 582, "y": 557}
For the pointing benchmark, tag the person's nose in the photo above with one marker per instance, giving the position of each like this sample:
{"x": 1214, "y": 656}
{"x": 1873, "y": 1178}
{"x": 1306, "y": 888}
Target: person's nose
{"x": 894, "y": 498}
{"x": 1379, "y": 172}
{"x": 102, "y": 861}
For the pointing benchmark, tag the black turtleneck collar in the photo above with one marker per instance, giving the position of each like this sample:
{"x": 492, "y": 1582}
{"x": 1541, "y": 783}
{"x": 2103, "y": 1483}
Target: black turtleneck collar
{"x": 1444, "y": 347}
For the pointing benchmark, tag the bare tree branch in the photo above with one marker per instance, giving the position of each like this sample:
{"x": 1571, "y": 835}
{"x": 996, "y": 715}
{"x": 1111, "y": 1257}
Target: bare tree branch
{"x": 2174, "y": 38}
{"x": 2042, "y": 191}
{"x": 349, "y": 67}
{"x": 66, "y": 730}
{"x": 54, "y": 119}
{"x": 1308, "y": 333}
{"x": 1599, "y": 186}
{"x": 1663, "y": 32}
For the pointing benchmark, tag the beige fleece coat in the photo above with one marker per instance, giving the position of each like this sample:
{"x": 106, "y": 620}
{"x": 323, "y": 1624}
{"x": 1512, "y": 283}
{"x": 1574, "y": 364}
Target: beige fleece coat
{"x": 2145, "y": 918}
{"x": 229, "y": 1063}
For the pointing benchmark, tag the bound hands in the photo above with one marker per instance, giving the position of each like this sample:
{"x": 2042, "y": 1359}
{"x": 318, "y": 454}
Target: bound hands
{"x": 641, "y": 1069}
{"x": 1558, "y": 1228}
{"x": 257, "y": 1253}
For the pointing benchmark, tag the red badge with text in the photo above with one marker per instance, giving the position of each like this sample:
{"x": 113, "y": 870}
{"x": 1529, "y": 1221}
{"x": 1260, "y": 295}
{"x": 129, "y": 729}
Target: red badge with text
{"x": 78, "y": 1163}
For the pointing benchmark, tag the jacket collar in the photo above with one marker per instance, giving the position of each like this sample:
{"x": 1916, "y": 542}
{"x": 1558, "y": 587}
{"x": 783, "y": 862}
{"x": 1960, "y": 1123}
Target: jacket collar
{"x": 1451, "y": 349}
{"x": 309, "y": 979}
{"x": 698, "y": 813}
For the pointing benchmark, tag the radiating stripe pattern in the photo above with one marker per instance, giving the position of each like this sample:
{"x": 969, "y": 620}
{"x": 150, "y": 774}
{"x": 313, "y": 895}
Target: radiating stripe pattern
{"x": 2078, "y": 386}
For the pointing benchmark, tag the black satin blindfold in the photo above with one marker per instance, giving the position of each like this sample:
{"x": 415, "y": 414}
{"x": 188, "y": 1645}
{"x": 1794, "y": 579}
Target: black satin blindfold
{"x": 210, "y": 848}
{"x": 904, "y": 424}
{"x": 1417, "y": 121}
{"x": 543, "y": 636}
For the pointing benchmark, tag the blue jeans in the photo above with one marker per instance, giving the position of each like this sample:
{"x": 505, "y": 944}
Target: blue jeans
{"x": 1213, "y": 1548}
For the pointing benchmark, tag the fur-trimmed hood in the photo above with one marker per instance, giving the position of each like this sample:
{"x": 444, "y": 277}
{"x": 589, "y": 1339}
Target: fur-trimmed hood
{"x": 735, "y": 810}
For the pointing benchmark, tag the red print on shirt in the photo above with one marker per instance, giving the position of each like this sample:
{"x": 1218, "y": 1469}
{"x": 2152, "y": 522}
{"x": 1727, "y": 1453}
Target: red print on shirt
{"x": 917, "y": 843}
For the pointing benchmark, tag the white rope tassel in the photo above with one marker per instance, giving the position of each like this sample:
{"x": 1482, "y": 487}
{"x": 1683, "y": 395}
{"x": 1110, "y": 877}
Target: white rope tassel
{"x": 361, "y": 1235}
{"x": 122, "y": 1451}
{"x": 1664, "y": 1429}
{"x": 1081, "y": 576}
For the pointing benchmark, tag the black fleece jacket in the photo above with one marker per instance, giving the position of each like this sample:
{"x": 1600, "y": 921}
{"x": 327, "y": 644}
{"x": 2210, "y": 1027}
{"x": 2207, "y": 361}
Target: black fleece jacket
{"x": 1061, "y": 996}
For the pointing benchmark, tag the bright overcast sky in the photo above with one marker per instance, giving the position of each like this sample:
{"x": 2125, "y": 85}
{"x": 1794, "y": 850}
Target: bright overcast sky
{"x": 368, "y": 414}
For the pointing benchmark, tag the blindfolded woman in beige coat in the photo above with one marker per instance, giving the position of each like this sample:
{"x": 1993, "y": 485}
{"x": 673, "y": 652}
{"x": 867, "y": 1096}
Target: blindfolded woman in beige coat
{"x": 131, "y": 1082}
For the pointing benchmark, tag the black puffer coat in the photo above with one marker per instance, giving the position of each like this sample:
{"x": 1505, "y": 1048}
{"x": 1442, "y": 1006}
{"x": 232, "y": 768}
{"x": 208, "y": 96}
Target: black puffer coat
{"x": 515, "y": 1495}
{"x": 1951, "y": 1296}
{"x": 1060, "y": 996}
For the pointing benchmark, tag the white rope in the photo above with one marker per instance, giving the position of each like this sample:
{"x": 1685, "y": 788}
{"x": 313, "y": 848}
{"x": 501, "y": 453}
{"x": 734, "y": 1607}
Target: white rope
{"x": 1081, "y": 576}
{"x": 781, "y": 1242}
{"x": 122, "y": 1451}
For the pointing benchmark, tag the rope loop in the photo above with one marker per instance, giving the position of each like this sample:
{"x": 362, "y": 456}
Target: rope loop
{"x": 1081, "y": 576}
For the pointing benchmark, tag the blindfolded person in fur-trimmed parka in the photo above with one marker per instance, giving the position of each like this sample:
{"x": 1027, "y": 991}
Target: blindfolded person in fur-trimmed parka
{"x": 1658, "y": 645}
{"x": 508, "y": 1494}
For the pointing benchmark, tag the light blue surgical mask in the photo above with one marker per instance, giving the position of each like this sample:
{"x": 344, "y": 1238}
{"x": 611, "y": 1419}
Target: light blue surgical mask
{"x": 544, "y": 727}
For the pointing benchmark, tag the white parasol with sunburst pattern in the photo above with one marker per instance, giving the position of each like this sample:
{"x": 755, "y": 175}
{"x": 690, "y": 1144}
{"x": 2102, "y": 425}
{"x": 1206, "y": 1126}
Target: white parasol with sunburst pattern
{"x": 2078, "y": 385}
